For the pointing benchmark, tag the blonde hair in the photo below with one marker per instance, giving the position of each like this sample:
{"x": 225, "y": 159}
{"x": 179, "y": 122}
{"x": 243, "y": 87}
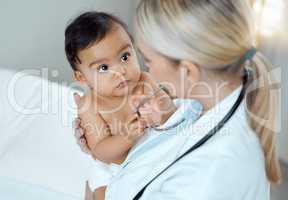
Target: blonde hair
{"x": 215, "y": 34}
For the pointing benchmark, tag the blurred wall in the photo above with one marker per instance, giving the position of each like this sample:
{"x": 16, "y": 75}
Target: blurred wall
{"x": 32, "y": 31}
{"x": 276, "y": 49}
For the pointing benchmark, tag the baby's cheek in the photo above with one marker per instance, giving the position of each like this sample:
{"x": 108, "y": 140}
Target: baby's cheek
{"x": 105, "y": 88}
{"x": 134, "y": 71}
{"x": 94, "y": 78}
{"x": 103, "y": 92}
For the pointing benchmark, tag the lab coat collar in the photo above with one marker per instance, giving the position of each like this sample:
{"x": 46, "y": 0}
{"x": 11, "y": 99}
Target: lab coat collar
{"x": 210, "y": 119}
{"x": 185, "y": 107}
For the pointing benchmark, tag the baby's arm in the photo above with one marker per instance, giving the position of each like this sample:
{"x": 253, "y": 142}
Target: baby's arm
{"x": 112, "y": 149}
{"x": 116, "y": 146}
{"x": 105, "y": 146}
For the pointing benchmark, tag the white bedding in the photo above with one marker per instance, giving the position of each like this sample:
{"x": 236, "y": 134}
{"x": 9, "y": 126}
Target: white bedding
{"x": 39, "y": 149}
{"x": 11, "y": 189}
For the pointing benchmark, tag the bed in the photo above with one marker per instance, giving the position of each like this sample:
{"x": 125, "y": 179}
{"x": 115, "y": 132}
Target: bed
{"x": 38, "y": 154}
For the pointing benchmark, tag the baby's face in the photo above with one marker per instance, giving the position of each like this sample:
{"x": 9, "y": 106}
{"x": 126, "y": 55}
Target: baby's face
{"x": 110, "y": 67}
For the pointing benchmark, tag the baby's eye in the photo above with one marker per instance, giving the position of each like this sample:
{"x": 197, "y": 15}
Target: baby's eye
{"x": 125, "y": 57}
{"x": 103, "y": 68}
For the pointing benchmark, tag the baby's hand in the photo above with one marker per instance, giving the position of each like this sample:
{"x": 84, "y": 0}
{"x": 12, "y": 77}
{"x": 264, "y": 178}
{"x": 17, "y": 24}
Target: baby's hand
{"x": 155, "y": 106}
{"x": 157, "y": 110}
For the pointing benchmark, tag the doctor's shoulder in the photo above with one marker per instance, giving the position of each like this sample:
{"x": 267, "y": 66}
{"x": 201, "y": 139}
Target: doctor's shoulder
{"x": 234, "y": 170}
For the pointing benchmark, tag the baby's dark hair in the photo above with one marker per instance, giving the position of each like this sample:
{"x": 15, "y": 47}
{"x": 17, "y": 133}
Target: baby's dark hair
{"x": 86, "y": 29}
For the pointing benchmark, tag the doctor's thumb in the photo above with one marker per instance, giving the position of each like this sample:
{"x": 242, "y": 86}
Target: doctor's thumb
{"x": 77, "y": 99}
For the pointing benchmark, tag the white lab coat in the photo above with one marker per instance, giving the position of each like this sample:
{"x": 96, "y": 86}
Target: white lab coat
{"x": 230, "y": 166}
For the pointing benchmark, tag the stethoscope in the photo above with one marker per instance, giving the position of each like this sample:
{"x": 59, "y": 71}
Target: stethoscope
{"x": 245, "y": 82}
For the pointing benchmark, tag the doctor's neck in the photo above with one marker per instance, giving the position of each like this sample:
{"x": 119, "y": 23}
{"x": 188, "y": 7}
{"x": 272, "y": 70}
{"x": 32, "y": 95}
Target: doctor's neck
{"x": 214, "y": 86}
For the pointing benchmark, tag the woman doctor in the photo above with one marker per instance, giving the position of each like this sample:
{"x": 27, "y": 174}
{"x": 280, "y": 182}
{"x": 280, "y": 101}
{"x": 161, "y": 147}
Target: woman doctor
{"x": 198, "y": 48}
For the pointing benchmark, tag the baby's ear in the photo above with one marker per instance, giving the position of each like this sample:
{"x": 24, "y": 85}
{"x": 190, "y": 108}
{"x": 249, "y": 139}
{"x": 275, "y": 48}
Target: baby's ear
{"x": 78, "y": 76}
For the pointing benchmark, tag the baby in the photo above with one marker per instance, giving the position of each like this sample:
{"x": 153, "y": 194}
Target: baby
{"x": 122, "y": 101}
{"x": 101, "y": 53}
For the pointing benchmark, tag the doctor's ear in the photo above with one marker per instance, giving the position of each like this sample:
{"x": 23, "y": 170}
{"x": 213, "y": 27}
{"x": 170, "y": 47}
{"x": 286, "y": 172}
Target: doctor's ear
{"x": 78, "y": 76}
{"x": 192, "y": 71}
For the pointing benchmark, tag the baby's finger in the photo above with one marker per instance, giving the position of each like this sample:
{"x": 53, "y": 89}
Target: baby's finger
{"x": 145, "y": 111}
{"x": 140, "y": 130}
{"x": 147, "y": 117}
{"x": 149, "y": 122}
{"x": 77, "y": 99}
{"x": 132, "y": 119}
{"x": 147, "y": 104}
{"x": 137, "y": 99}
{"x": 76, "y": 123}
{"x": 81, "y": 141}
{"x": 83, "y": 144}
{"x": 131, "y": 127}
{"x": 141, "y": 124}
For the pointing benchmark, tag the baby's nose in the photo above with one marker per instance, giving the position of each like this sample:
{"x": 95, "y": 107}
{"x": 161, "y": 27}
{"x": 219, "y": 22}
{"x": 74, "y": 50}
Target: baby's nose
{"x": 122, "y": 70}
{"x": 119, "y": 72}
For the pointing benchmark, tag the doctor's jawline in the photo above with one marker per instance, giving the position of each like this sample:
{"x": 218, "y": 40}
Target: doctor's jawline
{"x": 57, "y": 96}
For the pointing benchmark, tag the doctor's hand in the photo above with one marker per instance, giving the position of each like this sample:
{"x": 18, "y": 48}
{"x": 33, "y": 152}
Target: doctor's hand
{"x": 79, "y": 134}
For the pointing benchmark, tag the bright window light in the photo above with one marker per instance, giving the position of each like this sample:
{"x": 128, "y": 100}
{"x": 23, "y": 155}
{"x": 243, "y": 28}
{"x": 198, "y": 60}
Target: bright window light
{"x": 269, "y": 15}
